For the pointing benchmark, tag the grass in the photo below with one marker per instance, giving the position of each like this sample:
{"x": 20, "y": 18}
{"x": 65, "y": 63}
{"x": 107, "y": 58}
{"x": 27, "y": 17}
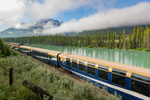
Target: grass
{"x": 61, "y": 87}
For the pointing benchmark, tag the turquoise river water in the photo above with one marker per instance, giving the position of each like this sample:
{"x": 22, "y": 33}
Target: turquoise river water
{"x": 136, "y": 58}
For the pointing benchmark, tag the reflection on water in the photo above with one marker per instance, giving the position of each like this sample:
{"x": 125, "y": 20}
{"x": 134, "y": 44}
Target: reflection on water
{"x": 135, "y": 58}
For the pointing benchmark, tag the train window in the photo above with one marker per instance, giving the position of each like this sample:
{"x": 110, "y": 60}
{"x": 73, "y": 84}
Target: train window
{"x": 50, "y": 57}
{"x": 119, "y": 71}
{"x": 103, "y": 67}
{"x": 140, "y": 87}
{"x": 33, "y": 52}
{"x": 59, "y": 59}
{"x": 118, "y": 77}
{"x": 82, "y": 65}
{"x": 68, "y": 61}
{"x": 103, "y": 74}
{"x": 140, "y": 77}
{"x": 74, "y": 63}
{"x": 91, "y": 68}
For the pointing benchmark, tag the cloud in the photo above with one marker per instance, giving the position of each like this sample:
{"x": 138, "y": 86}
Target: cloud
{"x": 11, "y": 11}
{"x": 52, "y": 8}
{"x": 134, "y": 15}
{"x": 24, "y": 26}
{"x": 43, "y": 23}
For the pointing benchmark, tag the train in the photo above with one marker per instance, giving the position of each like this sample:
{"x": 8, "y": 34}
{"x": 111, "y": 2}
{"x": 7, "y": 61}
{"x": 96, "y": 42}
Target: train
{"x": 130, "y": 82}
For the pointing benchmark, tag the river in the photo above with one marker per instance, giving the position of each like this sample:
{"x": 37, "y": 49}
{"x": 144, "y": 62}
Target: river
{"x": 136, "y": 58}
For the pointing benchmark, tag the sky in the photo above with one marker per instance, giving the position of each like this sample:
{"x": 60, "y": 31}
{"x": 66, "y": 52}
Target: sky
{"x": 77, "y": 15}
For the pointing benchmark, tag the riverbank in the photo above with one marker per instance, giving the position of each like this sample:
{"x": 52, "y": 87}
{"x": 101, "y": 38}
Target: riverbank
{"x": 61, "y": 87}
{"x": 137, "y": 49}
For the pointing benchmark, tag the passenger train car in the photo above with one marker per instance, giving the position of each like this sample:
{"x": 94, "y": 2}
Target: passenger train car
{"x": 131, "y": 82}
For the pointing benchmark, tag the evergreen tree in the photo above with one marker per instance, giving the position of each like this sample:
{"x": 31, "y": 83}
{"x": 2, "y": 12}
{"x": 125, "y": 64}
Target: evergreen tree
{"x": 148, "y": 38}
{"x": 129, "y": 41}
{"x": 87, "y": 40}
{"x": 8, "y": 53}
{"x": 147, "y": 27}
{"x": 70, "y": 41}
{"x": 91, "y": 39}
{"x": 134, "y": 45}
{"x": 2, "y": 48}
{"x": 120, "y": 39}
{"x": 108, "y": 38}
{"x": 142, "y": 37}
{"x": 138, "y": 38}
{"x": 102, "y": 39}
{"x": 124, "y": 39}
{"x": 96, "y": 40}
{"x": 114, "y": 39}
{"x": 75, "y": 41}
{"x": 145, "y": 39}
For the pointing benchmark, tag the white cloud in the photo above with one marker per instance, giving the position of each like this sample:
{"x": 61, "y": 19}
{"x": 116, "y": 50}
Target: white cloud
{"x": 49, "y": 25}
{"x": 52, "y": 8}
{"x": 10, "y": 32}
{"x": 11, "y": 11}
{"x": 138, "y": 14}
{"x": 24, "y": 26}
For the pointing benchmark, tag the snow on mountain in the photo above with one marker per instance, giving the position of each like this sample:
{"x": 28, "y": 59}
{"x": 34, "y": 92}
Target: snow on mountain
{"x": 30, "y": 29}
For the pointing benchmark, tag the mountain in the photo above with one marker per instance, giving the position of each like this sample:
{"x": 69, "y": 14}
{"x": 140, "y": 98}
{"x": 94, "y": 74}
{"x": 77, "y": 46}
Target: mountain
{"x": 117, "y": 29}
{"x": 35, "y": 28}
{"x": 30, "y": 29}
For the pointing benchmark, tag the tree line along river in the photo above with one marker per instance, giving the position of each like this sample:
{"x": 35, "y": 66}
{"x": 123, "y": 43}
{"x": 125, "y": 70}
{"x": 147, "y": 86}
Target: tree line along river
{"x": 135, "y": 58}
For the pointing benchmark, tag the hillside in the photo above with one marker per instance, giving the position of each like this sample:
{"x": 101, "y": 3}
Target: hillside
{"x": 117, "y": 29}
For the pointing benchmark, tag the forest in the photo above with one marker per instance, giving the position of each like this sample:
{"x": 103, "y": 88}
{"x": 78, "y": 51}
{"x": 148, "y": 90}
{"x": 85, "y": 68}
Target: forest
{"x": 4, "y": 50}
{"x": 117, "y": 29}
{"x": 138, "y": 39}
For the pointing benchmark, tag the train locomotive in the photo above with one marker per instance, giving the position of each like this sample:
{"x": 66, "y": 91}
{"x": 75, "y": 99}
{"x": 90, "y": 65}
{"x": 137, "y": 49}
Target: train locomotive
{"x": 131, "y": 82}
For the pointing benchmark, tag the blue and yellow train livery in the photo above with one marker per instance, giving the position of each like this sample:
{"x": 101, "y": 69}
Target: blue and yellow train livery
{"x": 131, "y": 82}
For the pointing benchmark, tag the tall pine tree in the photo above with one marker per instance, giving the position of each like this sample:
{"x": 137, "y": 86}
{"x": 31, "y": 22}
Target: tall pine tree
{"x": 124, "y": 38}
{"x": 120, "y": 39}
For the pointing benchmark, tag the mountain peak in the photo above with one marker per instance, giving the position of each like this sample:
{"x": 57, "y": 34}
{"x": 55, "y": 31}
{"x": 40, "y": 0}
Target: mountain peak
{"x": 28, "y": 29}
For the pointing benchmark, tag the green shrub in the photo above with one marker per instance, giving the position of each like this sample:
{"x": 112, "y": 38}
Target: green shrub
{"x": 59, "y": 86}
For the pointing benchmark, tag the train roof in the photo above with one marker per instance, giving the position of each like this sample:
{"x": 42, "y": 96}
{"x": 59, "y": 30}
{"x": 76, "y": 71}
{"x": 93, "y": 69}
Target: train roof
{"x": 17, "y": 43}
{"x": 50, "y": 52}
{"x": 25, "y": 47}
{"x": 14, "y": 43}
{"x": 63, "y": 55}
{"x": 10, "y": 43}
{"x": 125, "y": 67}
